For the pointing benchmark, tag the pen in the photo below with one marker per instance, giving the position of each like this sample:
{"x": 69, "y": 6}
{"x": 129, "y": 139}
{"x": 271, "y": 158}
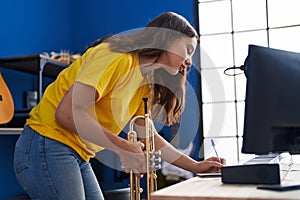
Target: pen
{"x": 214, "y": 147}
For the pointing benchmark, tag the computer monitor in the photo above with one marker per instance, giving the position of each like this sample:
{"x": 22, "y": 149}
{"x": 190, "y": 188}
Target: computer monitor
{"x": 272, "y": 104}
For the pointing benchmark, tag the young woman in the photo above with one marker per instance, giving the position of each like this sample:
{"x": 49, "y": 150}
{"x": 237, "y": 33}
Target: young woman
{"x": 92, "y": 100}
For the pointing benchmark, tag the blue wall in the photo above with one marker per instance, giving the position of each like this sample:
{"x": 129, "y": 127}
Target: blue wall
{"x": 32, "y": 26}
{"x": 35, "y": 26}
{"x": 121, "y": 16}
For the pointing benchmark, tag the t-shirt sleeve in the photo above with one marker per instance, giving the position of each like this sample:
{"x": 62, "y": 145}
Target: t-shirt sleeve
{"x": 102, "y": 69}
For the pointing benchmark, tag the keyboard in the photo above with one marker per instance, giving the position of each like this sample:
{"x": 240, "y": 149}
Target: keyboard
{"x": 269, "y": 158}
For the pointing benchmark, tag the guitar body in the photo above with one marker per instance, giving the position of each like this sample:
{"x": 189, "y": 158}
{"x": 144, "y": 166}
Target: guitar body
{"x": 6, "y": 103}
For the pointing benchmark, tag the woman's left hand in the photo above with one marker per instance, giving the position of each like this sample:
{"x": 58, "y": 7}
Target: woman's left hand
{"x": 210, "y": 165}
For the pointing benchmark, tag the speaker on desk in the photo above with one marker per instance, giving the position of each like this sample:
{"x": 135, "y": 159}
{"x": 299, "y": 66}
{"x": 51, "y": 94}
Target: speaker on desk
{"x": 251, "y": 174}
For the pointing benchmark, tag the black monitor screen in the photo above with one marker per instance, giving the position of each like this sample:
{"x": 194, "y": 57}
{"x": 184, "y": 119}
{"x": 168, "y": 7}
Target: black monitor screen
{"x": 272, "y": 105}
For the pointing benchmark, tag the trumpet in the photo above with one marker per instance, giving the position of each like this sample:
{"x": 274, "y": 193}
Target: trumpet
{"x": 153, "y": 158}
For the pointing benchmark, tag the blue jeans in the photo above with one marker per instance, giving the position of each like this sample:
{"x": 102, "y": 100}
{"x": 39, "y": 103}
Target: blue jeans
{"x": 47, "y": 169}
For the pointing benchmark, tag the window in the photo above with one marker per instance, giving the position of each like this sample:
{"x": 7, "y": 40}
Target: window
{"x": 226, "y": 29}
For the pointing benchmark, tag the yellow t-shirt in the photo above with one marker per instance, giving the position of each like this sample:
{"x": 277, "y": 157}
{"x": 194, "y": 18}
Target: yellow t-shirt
{"x": 119, "y": 83}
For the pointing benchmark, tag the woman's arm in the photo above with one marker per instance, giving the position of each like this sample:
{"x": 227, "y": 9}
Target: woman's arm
{"x": 75, "y": 114}
{"x": 72, "y": 114}
{"x": 173, "y": 156}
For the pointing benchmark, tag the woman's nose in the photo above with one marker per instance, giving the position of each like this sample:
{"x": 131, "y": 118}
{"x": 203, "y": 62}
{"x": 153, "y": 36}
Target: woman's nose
{"x": 188, "y": 62}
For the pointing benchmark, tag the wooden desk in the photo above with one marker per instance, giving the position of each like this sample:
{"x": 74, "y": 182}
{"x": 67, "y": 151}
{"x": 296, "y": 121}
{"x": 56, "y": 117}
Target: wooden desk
{"x": 213, "y": 189}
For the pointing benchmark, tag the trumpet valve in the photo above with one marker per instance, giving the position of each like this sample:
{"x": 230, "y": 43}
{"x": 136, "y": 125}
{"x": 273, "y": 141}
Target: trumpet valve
{"x": 155, "y": 160}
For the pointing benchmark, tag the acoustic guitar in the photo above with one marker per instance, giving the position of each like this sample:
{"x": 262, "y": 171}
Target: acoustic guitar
{"x": 6, "y": 103}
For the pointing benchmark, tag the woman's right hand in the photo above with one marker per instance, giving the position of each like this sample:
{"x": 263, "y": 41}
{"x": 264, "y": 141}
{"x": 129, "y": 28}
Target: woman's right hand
{"x": 133, "y": 158}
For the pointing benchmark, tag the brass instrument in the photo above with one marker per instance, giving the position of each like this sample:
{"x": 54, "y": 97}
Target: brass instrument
{"x": 152, "y": 157}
